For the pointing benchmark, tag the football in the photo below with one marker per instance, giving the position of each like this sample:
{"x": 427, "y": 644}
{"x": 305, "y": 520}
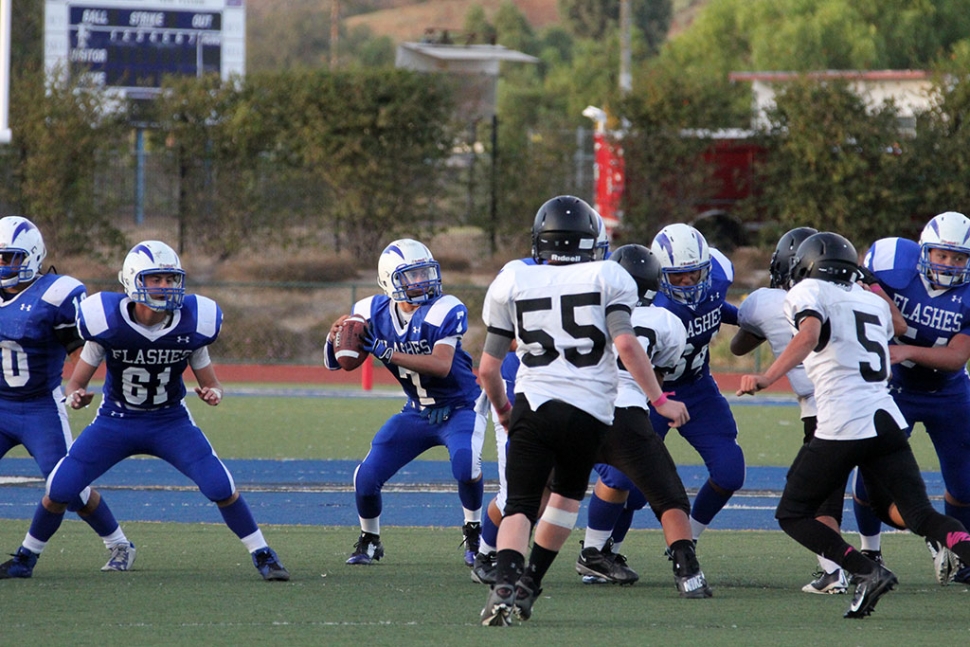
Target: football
{"x": 347, "y": 344}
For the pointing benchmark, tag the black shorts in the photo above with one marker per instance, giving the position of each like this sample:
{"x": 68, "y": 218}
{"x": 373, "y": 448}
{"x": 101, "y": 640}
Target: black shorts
{"x": 556, "y": 436}
{"x": 633, "y": 447}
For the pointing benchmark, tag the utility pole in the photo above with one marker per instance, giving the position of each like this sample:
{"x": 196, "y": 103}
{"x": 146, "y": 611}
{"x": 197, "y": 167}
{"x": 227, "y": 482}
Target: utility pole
{"x": 626, "y": 77}
{"x": 334, "y": 32}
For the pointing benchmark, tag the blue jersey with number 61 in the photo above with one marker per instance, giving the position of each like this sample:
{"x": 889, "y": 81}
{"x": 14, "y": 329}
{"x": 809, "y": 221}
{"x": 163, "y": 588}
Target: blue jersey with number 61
{"x": 145, "y": 366}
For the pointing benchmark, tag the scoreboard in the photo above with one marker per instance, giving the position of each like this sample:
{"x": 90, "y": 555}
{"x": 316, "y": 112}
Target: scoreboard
{"x": 128, "y": 46}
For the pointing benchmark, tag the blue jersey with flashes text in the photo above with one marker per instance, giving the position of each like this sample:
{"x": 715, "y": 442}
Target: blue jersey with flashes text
{"x": 144, "y": 367}
{"x": 35, "y": 325}
{"x": 435, "y": 320}
{"x": 932, "y": 316}
{"x": 702, "y": 323}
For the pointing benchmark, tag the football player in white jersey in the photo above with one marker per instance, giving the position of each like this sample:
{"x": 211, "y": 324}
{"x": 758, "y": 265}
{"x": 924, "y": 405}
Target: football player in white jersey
{"x": 761, "y": 318}
{"x": 564, "y": 313}
{"x": 930, "y": 284}
{"x": 638, "y": 468}
{"x": 843, "y": 340}
{"x": 37, "y": 333}
{"x": 416, "y": 331}
{"x": 147, "y": 337}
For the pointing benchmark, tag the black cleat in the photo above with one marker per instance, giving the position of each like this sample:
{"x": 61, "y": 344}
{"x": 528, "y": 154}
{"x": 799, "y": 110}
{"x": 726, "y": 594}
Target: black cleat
{"x": 868, "y": 589}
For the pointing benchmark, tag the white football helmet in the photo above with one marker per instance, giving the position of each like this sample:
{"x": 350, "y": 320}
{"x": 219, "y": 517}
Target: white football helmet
{"x": 23, "y": 246}
{"x": 153, "y": 257}
{"x": 681, "y": 248}
{"x": 948, "y": 231}
{"x": 408, "y": 272}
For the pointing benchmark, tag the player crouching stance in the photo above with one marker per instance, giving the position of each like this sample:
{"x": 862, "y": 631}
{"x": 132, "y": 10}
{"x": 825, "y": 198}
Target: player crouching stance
{"x": 843, "y": 336}
{"x": 147, "y": 337}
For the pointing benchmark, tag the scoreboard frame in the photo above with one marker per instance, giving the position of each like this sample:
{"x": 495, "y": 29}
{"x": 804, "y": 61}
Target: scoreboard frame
{"x": 126, "y": 47}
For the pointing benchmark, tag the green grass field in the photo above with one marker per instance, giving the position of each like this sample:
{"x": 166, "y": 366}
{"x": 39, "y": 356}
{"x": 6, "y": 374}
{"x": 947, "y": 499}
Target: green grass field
{"x": 194, "y": 583}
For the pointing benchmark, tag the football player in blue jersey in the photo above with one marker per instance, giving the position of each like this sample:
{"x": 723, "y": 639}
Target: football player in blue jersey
{"x": 929, "y": 282}
{"x": 694, "y": 287}
{"x": 416, "y": 331}
{"x": 146, "y": 337}
{"x": 37, "y": 333}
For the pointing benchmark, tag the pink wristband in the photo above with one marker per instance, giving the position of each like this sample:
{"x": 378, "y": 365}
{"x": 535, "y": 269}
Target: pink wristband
{"x": 504, "y": 408}
{"x": 659, "y": 401}
{"x": 875, "y": 287}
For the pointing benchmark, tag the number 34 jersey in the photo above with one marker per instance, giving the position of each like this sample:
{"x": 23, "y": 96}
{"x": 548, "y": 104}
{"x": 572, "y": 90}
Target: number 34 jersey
{"x": 850, "y": 365}
{"x": 558, "y": 313}
{"x": 145, "y": 366}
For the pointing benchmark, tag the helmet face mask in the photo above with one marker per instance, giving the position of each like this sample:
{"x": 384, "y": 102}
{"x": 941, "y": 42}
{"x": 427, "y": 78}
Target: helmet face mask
{"x": 644, "y": 267}
{"x": 682, "y": 250}
{"x": 780, "y": 267}
{"x": 146, "y": 259}
{"x": 407, "y": 272}
{"x": 948, "y": 232}
{"x": 22, "y": 247}
{"x": 826, "y": 256}
{"x": 565, "y": 231}
{"x": 602, "y": 240}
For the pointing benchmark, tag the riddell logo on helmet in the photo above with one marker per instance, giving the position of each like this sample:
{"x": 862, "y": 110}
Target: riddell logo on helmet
{"x": 561, "y": 258}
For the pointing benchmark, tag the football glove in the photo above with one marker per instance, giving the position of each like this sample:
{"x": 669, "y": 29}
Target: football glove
{"x": 379, "y": 348}
{"x": 437, "y": 415}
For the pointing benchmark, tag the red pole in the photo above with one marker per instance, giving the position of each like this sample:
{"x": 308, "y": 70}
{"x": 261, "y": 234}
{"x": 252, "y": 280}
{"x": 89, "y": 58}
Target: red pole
{"x": 367, "y": 375}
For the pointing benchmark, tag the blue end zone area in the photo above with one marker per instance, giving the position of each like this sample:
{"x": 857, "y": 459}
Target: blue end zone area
{"x": 312, "y": 492}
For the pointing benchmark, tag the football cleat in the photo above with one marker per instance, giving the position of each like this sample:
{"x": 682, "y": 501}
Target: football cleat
{"x": 472, "y": 533}
{"x": 498, "y": 606}
{"x": 962, "y": 575}
{"x": 367, "y": 550}
{"x": 269, "y": 565}
{"x": 22, "y": 564}
{"x": 688, "y": 576}
{"x": 945, "y": 562}
{"x": 602, "y": 566}
{"x": 834, "y": 583}
{"x": 874, "y": 555}
{"x": 484, "y": 570}
{"x": 121, "y": 558}
{"x": 868, "y": 589}
{"x": 526, "y": 593}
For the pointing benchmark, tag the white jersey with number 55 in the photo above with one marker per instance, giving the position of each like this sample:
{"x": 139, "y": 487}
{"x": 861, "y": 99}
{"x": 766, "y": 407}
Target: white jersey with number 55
{"x": 558, "y": 314}
{"x": 850, "y": 365}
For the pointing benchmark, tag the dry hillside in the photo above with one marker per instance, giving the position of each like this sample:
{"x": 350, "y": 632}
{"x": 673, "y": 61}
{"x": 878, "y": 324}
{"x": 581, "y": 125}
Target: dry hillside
{"x": 407, "y": 20}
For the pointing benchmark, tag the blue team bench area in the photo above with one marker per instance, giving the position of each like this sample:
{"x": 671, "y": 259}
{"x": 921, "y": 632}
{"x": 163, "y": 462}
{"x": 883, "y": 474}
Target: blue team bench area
{"x": 314, "y": 492}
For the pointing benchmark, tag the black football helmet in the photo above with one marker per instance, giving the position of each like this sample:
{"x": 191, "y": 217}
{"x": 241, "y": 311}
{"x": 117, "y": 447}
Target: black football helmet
{"x": 565, "y": 231}
{"x": 826, "y": 256}
{"x": 643, "y": 266}
{"x": 780, "y": 267}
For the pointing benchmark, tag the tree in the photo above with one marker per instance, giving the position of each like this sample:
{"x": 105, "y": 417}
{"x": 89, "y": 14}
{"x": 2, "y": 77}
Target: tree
{"x": 596, "y": 19}
{"x": 832, "y": 163}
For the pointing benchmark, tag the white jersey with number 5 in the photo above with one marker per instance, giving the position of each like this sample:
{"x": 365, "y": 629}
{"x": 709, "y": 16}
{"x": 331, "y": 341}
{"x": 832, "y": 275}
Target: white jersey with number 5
{"x": 558, "y": 314}
{"x": 850, "y": 365}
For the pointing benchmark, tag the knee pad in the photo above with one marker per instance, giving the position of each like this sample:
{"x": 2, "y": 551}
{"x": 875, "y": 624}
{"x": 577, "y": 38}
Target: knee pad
{"x": 79, "y": 501}
{"x": 365, "y": 480}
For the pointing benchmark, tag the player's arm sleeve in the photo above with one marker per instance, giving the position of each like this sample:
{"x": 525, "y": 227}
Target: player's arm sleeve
{"x": 93, "y": 353}
{"x": 729, "y": 313}
{"x": 618, "y": 321}
{"x": 330, "y": 356}
{"x": 200, "y": 358}
{"x": 69, "y": 337}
